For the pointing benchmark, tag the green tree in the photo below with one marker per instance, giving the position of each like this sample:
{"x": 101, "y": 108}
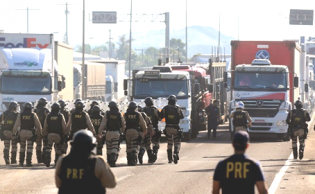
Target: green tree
{"x": 178, "y": 47}
{"x": 96, "y": 50}
{"x": 123, "y": 48}
{"x": 87, "y": 49}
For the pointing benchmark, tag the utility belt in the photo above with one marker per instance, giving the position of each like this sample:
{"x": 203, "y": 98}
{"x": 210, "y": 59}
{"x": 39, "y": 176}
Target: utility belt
{"x": 176, "y": 126}
{"x": 112, "y": 129}
{"x": 136, "y": 128}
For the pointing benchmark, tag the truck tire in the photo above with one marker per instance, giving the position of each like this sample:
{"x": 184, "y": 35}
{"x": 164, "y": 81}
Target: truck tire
{"x": 187, "y": 136}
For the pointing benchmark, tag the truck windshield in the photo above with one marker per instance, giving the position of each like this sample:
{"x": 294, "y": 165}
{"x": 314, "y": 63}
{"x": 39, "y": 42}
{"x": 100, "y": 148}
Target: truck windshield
{"x": 25, "y": 85}
{"x": 161, "y": 88}
{"x": 260, "y": 81}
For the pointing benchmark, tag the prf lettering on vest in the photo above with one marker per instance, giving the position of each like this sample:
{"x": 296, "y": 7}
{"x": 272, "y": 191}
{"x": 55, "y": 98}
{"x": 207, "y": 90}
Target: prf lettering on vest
{"x": 96, "y": 122}
{"x": 113, "y": 117}
{"x": 78, "y": 116}
{"x": 240, "y": 169}
{"x": 53, "y": 118}
{"x": 297, "y": 119}
{"x": 9, "y": 122}
{"x": 170, "y": 116}
{"x": 239, "y": 116}
{"x": 132, "y": 116}
{"x": 26, "y": 117}
{"x": 75, "y": 173}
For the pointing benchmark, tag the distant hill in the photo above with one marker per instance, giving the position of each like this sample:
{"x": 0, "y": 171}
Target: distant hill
{"x": 200, "y": 39}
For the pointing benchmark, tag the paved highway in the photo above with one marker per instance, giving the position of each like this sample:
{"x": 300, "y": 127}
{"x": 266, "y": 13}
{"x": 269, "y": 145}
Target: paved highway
{"x": 193, "y": 174}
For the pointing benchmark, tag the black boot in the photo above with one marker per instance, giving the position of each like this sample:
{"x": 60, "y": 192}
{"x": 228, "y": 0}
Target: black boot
{"x": 155, "y": 152}
{"x": 29, "y": 159}
{"x": 39, "y": 157}
{"x": 6, "y": 157}
{"x": 140, "y": 155}
{"x": 108, "y": 158}
{"x": 169, "y": 155}
{"x": 295, "y": 154}
{"x": 301, "y": 153}
{"x": 133, "y": 158}
{"x": 47, "y": 158}
{"x": 175, "y": 156}
{"x": 151, "y": 157}
{"x": 128, "y": 158}
{"x": 13, "y": 157}
{"x": 112, "y": 160}
{"x": 22, "y": 157}
{"x": 43, "y": 155}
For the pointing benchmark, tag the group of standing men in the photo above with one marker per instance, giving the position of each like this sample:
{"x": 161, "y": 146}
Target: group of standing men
{"x": 138, "y": 126}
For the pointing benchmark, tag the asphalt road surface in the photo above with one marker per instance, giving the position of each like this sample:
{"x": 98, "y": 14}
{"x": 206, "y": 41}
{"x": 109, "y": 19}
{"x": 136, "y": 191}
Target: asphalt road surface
{"x": 193, "y": 174}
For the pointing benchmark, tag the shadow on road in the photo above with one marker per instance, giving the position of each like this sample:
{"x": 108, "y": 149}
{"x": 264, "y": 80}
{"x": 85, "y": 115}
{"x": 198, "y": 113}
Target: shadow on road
{"x": 215, "y": 156}
{"x": 34, "y": 167}
{"x": 200, "y": 170}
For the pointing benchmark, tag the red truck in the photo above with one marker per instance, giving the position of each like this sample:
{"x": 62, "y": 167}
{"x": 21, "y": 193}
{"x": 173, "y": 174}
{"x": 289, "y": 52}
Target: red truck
{"x": 264, "y": 76}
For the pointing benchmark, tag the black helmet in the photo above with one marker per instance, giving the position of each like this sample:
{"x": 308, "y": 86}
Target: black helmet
{"x": 96, "y": 108}
{"x": 298, "y": 104}
{"x": 94, "y": 103}
{"x": 77, "y": 100}
{"x": 140, "y": 109}
{"x": 55, "y": 106}
{"x": 132, "y": 105}
{"x": 62, "y": 103}
{"x": 42, "y": 101}
{"x": 148, "y": 101}
{"x": 79, "y": 104}
{"x": 28, "y": 105}
{"x": 13, "y": 105}
{"x": 83, "y": 138}
{"x": 112, "y": 104}
{"x": 172, "y": 98}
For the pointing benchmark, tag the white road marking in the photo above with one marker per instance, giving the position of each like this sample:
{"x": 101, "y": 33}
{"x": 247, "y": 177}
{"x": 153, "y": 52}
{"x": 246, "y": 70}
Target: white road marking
{"x": 122, "y": 178}
{"x": 276, "y": 181}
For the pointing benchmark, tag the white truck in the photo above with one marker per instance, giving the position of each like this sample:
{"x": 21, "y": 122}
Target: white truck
{"x": 110, "y": 92}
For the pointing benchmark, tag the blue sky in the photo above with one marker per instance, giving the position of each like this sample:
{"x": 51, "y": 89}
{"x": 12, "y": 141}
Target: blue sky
{"x": 256, "y": 20}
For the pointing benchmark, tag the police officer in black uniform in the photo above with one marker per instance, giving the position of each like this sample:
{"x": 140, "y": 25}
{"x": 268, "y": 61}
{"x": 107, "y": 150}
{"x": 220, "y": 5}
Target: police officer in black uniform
{"x": 296, "y": 120}
{"x": 41, "y": 142}
{"x": 8, "y": 119}
{"x": 238, "y": 173}
{"x": 114, "y": 124}
{"x": 241, "y": 118}
{"x": 66, "y": 114}
{"x": 30, "y": 128}
{"x": 79, "y": 119}
{"x": 134, "y": 121}
{"x": 96, "y": 119}
{"x": 81, "y": 171}
{"x": 154, "y": 115}
{"x": 94, "y": 103}
{"x": 172, "y": 114}
{"x": 54, "y": 131}
{"x": 75, "y": 102}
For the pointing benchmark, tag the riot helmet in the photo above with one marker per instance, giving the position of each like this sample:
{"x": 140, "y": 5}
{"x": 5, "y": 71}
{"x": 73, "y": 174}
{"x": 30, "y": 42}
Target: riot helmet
{"x": 96, "y": 109}
{"x": 77, "y": 100}
{"x": 28, "y": 106}
{"x": 140, "y": 109}
{"x": 79, "y": 105}
{"x": 240, "y": 105}
{"x": 42, "y": 101}
{"x": 55, "y": 107}
{"x": 132, "y": 105}
{"x": 112, "y": 104}
{"x": 94, "y": 103}
{"x": 171, "y": 99}
{"x": 83, "y": 139}
{"x": 13, "y": 105}
{"x": 62, "y": 103}
{"x": 148, "y": 101}
{"x": 298, "y": 104}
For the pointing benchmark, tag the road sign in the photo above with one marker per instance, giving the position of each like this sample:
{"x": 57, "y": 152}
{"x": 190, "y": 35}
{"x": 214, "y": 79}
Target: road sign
{"x": 262, "y": 54}
{"x": 103, "y": 17}
{"x": 301, "y": 17}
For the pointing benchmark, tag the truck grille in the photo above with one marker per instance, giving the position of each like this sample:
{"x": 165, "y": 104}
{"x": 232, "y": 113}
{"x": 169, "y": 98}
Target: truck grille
{"x": 262, "y": 108}
{"x": 260, "y": 128}
{"x": 261, "y": 124}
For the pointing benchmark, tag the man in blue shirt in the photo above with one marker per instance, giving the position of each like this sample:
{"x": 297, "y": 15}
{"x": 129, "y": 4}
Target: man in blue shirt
{"x": 238, "y": 173}
{"x": 213, "y": 116}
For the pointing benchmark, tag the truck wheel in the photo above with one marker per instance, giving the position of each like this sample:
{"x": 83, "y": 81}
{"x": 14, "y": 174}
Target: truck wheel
{"x": 187, "y": 136}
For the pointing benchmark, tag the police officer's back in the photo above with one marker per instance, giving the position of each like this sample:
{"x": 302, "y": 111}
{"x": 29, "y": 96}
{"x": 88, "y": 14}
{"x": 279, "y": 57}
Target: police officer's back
{"x": 241, "y": 118}
{"x": 238, "y": 173}
{"x": 96, "y": 119}
{"x": 81, "y": 171}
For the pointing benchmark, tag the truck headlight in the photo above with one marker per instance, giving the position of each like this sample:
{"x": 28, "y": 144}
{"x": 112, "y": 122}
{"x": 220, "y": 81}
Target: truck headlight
{"x": 184, "y": 122}
{"x": 284, "y": 105}
{"x": 281, "y": 123}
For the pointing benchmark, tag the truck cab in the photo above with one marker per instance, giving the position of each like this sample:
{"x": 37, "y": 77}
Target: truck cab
{"x": 110, "y": 89}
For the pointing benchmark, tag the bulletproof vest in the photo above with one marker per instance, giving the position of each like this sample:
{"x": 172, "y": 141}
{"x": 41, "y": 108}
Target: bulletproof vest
{"x": 150, "y": 113}
{"x": 65, "y": 113}
{"x": 78, "y": 121}
{"x": 132, "y": 120}
{"x": 54, "y": 123}
{"x": 297, "y": 117}
{"x": 27, "y": 121}
{"x": 9, "y": 120}
{"x": 113, "y": 120}
{"x": 239, "y": 119}
{"x": 171, "y": 115}
{"x": 96, "y": 120}
{"x": 78, "y": 176}
{"x": 41, "y": 114}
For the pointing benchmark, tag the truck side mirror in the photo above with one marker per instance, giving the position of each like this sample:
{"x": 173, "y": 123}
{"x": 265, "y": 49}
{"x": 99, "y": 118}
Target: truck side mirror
{"x": 197, "y": 88}
{"x": 296, "y": 82}
{"x": 306, "y": 87}
{"x": 59, "y": 85}
{"x": 225, "y": 77}
{"x": 63, "y": 82}
{"x": 126, "y": 93}
{"x": 210, "y": 88}
{"x": 125, "y": 84}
